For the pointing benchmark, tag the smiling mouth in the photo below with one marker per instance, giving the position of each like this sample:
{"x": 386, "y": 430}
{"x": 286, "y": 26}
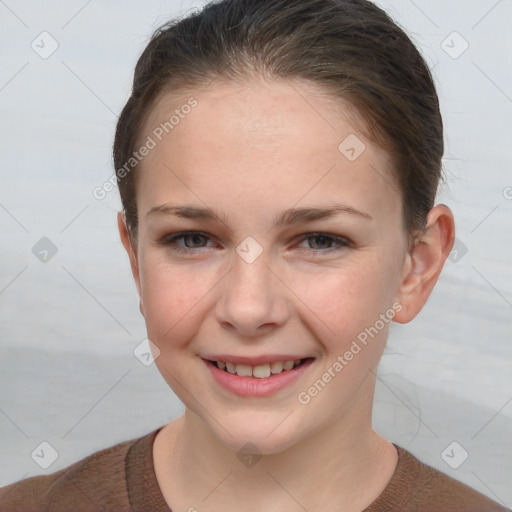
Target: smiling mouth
{"x": 261, "y": 371}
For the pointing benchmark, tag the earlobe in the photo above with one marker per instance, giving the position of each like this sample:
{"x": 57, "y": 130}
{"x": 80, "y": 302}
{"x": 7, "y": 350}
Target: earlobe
{"x": 424, "y": 262}
{"x": 127, "y": 244}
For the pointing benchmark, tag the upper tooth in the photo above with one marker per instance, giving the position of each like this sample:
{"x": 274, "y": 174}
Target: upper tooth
{"x": 288, "y": 365}
{"x": 244, "y": 370}
{"x": 261, "y": 371}
{"x": 276, "y": 367}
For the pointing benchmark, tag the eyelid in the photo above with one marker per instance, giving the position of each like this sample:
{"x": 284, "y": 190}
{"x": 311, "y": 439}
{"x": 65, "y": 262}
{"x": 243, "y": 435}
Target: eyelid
{"x": 341, "y": 242}
{"x": 336, "y": 238}
{"x": 172, "y": 237}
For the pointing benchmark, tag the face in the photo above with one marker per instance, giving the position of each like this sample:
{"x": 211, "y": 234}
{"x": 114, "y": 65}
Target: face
{"x": 241, "y": 268}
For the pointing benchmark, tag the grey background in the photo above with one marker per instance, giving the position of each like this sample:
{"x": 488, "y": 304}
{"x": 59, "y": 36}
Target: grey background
{"x": 69, "y": 326}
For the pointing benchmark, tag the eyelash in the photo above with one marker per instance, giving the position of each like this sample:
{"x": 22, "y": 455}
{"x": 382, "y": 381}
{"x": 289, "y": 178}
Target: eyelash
{"x": 170, "y": 240}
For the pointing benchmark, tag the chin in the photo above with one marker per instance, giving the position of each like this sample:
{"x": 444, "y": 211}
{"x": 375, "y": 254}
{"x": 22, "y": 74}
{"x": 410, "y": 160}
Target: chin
{"x": 255, "y": 436}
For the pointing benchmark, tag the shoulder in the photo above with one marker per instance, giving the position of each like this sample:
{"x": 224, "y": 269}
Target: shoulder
{"x": 419, "y": 487}
{"x": 96, "y": 482}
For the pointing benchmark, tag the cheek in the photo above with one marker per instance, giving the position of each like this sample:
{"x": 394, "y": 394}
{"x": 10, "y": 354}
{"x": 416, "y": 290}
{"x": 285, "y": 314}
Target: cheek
{"x": 334, "y": 303}
{"x": 172, "y": 297}
{"x": 347, "y": 299}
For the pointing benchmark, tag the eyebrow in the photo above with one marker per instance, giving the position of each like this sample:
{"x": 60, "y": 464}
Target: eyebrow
{"x": 287, "y": 217}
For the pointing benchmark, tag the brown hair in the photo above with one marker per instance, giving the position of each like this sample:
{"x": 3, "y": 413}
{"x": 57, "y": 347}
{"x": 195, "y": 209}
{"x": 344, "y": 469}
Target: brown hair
{"x": 351, "y": 48}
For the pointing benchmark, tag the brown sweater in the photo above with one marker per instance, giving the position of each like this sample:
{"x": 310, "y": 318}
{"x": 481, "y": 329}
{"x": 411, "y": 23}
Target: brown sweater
{"x": 122, "y": 478}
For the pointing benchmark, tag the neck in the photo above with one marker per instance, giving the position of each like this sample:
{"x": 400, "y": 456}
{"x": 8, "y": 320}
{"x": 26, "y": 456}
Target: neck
{"x": 347, "y": 461}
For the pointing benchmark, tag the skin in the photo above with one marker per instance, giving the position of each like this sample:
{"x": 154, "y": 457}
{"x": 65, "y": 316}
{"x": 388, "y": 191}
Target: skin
{"x": 249, "y": 151}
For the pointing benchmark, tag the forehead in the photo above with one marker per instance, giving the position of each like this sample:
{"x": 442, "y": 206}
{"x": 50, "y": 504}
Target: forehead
{"x": 262, "y": 143}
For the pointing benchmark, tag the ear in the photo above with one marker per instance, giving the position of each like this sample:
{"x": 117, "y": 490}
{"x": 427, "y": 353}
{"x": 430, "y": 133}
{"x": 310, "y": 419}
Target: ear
{"x": 132, "y": 254}
{"x": 424, "y": 262}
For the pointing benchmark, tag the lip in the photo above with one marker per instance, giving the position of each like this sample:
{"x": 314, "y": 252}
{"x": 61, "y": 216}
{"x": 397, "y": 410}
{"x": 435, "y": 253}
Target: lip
{"x": 254, "y": 387}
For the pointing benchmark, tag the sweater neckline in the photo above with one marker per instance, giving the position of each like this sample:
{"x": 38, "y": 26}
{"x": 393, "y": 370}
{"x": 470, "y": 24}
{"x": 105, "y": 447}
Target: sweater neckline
{"x": 142, "y": 485}
{"x": 144, "y": 492}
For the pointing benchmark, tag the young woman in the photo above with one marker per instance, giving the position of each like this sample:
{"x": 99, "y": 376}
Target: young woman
{"x": 278, "y": 163}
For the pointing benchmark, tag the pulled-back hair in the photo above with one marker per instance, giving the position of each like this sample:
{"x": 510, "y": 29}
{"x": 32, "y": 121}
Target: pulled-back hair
{"x": 350, "y": 48}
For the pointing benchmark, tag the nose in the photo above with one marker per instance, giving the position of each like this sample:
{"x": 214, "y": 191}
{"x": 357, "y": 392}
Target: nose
{"x": 253, "y": 300}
